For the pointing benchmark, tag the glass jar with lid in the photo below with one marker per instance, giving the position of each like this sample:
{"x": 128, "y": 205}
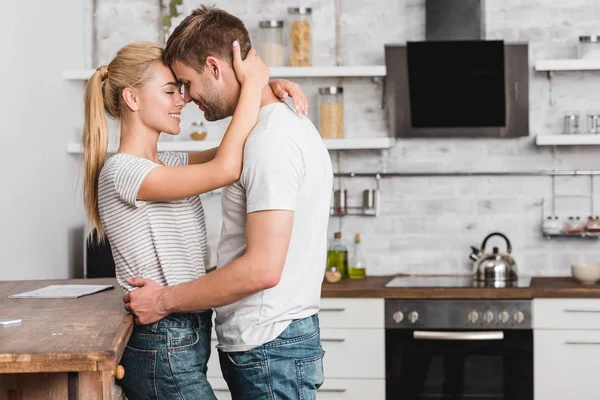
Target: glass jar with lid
{"x": 331, "y": 112}
{"x": 300, "y": 37}
{"x": 589, "y": 47}
{"x": 272, "y": 43}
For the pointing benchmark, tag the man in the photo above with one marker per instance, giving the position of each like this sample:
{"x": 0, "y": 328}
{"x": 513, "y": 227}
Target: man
{"x": 271, "y": 256}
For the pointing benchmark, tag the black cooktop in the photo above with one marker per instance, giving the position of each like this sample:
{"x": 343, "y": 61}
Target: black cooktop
{"x": 454, "y": 282}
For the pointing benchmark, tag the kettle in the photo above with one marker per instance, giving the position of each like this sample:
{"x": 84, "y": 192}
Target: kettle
{"x": 494, "y": 267}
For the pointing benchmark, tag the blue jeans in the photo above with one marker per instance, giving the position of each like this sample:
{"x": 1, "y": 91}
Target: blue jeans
{"x": 289, "y": 367}
{"x": 167, "y": 359}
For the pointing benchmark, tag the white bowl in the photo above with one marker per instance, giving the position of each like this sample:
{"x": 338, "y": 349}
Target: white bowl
{"x": 587, "y": 274}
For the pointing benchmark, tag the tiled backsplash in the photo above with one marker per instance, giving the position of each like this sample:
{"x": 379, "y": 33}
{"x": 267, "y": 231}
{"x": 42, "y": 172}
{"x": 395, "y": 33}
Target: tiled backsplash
{"x": 427, "y": 224}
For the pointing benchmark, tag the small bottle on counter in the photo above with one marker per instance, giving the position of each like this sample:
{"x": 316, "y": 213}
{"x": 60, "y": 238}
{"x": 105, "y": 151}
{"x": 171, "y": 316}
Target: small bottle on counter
{"x": 357, "y": 266}
{"x": 332, "y": 275}
{"x": 337, "y": 255}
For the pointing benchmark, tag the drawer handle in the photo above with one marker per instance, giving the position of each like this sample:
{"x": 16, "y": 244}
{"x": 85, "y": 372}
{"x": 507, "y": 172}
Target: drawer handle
{"x": 332, "y": 309}
{"x": 590, "y": 342}
{"x": 582, "y": 310}
{"x": 119, "y": 372}
{"x": 332, "y": 390}
{"x": 335, "y": 340}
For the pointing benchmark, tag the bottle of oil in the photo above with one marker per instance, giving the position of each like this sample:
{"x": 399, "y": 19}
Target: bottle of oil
{"x": 357, "y": 266}
{"x": 337, "y": 255}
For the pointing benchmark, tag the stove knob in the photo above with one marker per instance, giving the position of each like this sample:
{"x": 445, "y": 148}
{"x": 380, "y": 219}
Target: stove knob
{"x": 413, "y": 317}
{"x": 504, "y": 317}
{"x": 473, "y": 317}
{"x": 519, "y": 317}
{"x": 398, "y": 317}
{"x": 488, "y": 317}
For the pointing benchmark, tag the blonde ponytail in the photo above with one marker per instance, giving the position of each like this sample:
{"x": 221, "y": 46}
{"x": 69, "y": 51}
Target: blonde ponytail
{"x": 131, "y": 68}
{"x": 95, "y": 145}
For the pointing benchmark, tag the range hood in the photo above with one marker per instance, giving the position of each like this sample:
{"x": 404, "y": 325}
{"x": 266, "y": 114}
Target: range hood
{"x": 454, "y": 20}
{"x": 455, "y": 83}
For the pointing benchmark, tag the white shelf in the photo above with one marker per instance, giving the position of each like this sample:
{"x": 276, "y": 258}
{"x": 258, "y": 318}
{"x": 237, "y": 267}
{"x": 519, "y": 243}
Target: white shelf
{"x": 567, "y": 65}
{"x": 359, "y": 144}
{"x": 567, "y": 140}
{"x": 192, "y": 145}
{"x": 335, "y": 72}
{"x": 279, "y": 72}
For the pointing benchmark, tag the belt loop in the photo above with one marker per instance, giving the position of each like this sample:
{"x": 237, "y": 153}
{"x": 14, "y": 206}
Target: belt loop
{"x": 154, "y": 327}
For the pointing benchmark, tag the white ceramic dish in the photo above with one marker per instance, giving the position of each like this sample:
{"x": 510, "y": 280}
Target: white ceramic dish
{"x": 587, "y": 274}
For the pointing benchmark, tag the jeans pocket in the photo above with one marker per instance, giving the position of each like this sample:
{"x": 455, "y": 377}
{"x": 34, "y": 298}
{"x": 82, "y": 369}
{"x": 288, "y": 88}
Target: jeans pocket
{"x": 309, "y": 372}
{"x": 246, "y": 374}
{"x": 139, "y": 382}
{"x": 180, "y": 339}
{"x": 188, "y": 352}
{"x": 245, "y": 359}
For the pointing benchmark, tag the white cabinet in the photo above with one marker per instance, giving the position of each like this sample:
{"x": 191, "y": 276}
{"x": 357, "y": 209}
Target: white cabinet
{"x": 566, "y": 349}
{"x": 353, "y": 338}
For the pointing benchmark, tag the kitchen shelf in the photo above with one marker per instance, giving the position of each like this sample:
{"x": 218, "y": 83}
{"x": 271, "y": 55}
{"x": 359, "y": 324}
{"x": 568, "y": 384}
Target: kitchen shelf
{"x": 567, "y": 65}
{"x": 589, "y": 235}
{"x": 199, "y": 145}
{"x": 280, "y": 72}
{"x": 567, "y": 140}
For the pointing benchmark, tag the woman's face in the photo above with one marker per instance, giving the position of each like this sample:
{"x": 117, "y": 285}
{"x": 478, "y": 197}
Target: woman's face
{"x": 160, "y": 101}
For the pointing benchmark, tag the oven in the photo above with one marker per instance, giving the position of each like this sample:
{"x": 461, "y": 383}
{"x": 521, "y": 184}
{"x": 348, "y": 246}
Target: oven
{"x": 458, "y": 349}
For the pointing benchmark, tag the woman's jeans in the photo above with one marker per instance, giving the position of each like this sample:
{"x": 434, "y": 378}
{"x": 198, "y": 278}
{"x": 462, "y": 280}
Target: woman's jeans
{"x": 168, "y": 359}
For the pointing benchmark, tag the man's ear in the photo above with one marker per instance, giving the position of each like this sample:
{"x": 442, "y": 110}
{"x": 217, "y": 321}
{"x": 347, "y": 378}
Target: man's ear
{"x": 130, "y": 99}
{"x": 213, "y": 65}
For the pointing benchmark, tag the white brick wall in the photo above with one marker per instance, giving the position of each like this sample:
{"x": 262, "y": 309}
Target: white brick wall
{"x": 428, "y": 224}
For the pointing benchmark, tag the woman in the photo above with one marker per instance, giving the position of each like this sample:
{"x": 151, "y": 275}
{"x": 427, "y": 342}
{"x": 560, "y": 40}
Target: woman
{"x": 147, "y": 204}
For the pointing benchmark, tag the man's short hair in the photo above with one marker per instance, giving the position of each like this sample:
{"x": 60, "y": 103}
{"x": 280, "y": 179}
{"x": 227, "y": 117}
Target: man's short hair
{"x": 208, "y": 31}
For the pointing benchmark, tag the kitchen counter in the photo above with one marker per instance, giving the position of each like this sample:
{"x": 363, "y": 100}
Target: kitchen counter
{"x": 541, "y": 287}
{"x": 63, "y": 348}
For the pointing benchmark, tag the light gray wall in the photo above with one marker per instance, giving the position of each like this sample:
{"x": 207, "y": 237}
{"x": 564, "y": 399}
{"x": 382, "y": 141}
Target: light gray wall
{"x": 40, "y": 212}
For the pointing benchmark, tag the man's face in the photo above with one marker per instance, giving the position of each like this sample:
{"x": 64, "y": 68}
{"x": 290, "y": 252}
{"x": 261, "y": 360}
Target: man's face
{"x": 203, "y": 89}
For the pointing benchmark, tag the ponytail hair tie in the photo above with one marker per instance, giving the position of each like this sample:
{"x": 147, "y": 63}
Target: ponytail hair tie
{"x": 103, "y": 72}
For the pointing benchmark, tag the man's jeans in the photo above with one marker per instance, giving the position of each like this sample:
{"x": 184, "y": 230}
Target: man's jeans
{"x": 167, "y": 359}
{"x": 289, "y": 367}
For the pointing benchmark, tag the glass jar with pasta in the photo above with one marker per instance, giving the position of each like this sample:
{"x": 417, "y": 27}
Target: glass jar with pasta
{"x": 300, "y": 42}
{"x": 331, "y": 112}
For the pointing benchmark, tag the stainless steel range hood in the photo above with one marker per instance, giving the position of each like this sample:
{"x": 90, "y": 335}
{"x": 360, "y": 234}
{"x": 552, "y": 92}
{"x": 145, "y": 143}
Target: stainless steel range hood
{"x": 454, "y": 20}
{"x": 456, "y": 83}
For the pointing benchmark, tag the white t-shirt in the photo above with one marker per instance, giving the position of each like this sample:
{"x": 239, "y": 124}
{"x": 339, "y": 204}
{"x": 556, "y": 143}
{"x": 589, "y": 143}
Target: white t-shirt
{"x": 161, "y": 240}
{"x": 286, "y": 167}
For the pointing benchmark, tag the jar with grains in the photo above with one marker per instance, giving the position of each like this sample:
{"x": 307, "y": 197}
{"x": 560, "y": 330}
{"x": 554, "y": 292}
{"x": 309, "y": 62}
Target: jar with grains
{"x": 300, "y": 39}
{"x": 589, "y": 47}
{"x": 271, "y": 43}
{"x": 331, "y": 112}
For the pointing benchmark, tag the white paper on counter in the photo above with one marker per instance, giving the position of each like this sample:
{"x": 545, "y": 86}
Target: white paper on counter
{"x": 61, "y": 292}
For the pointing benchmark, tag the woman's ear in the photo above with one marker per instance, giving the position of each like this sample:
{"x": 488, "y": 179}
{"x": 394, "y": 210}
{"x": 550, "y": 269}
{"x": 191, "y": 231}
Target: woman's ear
{"x": 214, "y": 67}
{"x": 130, "y": 99}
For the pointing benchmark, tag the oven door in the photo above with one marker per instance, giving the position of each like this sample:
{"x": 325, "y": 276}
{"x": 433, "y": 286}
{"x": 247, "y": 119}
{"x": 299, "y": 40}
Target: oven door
{"x": 447, "y": 364}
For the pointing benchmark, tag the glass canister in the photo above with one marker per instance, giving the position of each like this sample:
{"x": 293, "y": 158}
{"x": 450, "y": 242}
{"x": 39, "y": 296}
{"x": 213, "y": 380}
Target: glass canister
{"x": 331, "y": 112}
{"x": 272, "y": 44}
{"x": 589, "y": 47}
{"x": 300, "y": 42}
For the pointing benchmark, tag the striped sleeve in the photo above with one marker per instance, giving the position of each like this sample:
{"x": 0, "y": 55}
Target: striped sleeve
{"x": 129, "y": 178}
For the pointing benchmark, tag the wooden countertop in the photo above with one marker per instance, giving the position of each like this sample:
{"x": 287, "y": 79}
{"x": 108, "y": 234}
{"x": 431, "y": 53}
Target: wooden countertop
{"x": 84, "y": 334}
{"x": 541, "y": 287}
